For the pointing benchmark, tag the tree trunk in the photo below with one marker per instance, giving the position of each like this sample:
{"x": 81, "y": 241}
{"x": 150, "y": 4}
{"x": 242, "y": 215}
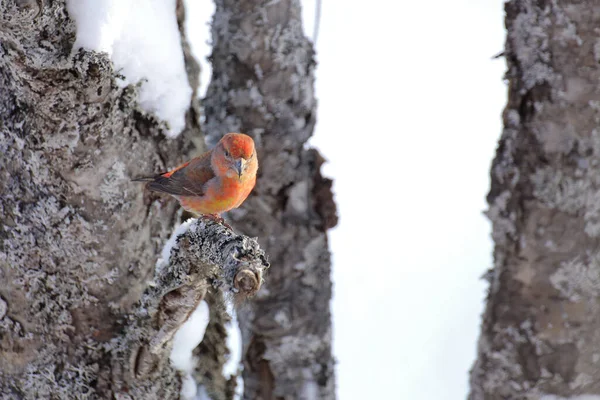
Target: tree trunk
{"x": 262, "y": 84}
{"x": 541, "y": 323}
{"x": 79, "y": 241}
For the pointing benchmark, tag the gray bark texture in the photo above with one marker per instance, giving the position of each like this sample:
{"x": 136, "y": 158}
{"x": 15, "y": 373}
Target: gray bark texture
{"x": 79, "y": 241}
{"x": 541, "y": 327}
{"x": 84, "y": 311}
{"x": 263, "y": 85}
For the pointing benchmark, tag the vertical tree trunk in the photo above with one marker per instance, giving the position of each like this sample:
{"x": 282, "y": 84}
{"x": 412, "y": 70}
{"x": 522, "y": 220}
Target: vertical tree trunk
{"x": 262, "y": 84}
{"x": 78, "y": 241}
{"x": 540, "y": 332}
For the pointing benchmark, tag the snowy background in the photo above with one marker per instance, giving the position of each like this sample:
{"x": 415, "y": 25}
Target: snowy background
{"x": 409, "y": 115}
{"x": 408, "y": 90}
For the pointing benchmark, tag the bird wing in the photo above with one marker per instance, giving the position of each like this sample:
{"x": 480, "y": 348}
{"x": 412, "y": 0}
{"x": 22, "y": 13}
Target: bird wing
{"x": 188, "y": 179}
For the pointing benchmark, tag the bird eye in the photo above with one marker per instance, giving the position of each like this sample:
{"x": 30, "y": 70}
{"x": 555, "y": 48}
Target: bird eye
{"x": 226, "y": 153}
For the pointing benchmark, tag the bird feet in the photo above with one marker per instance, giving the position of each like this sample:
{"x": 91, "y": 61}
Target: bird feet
{"x": 218, "y": 219}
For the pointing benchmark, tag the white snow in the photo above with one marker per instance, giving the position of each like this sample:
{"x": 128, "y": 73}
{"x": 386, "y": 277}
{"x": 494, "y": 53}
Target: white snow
{"x": 189, "y": 388}
{"x": 234, "y": 344}
{"x": 166, "y": 251}
{"x": 187, "y": 338}
{"x": 427, "y": 100}
{"x": 202, "y": 395}
{"x": 142, "y": 39}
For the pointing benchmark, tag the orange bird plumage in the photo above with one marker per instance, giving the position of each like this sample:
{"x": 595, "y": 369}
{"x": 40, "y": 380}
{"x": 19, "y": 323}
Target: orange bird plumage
{"x": 217, "y": 181}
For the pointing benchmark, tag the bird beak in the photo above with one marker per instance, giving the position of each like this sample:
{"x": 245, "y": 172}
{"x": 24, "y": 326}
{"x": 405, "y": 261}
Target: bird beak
{"x": 239, "y": 167}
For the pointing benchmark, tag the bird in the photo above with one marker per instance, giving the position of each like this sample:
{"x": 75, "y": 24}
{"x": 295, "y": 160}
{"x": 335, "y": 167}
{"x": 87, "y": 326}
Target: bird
{"x": 215, "y": 182}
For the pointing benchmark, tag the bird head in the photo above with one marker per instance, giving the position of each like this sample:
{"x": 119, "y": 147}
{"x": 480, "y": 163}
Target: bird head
{"x": 232, "y": 155}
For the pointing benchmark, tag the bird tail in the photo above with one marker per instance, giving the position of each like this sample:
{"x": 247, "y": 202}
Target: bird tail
{"x": 159, "y": 176}
{"x": 145, "y": 178}
{"x": 159, "y": 183}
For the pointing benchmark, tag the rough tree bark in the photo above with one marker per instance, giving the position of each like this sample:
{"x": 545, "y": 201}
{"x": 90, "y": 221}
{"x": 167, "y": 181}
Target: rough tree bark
{"x": 262, "y": 84}
{"x": 79, "y": 241}
{"x": 541, "y": 327}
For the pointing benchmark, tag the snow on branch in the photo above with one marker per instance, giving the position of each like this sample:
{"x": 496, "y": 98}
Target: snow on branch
{"x": 205, "y": 256}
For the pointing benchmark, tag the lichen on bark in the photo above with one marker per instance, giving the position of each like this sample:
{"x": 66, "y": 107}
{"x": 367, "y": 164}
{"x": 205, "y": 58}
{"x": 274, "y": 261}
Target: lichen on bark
{"x": 540, "y": 327}
{"x": 78, "y": 240}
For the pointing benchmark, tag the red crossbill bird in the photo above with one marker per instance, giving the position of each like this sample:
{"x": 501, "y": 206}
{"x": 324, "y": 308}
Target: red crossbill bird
{"x": 217, "y": 181}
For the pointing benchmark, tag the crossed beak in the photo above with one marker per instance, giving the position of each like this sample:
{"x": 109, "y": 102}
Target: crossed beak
{"x": 239, "y": 167}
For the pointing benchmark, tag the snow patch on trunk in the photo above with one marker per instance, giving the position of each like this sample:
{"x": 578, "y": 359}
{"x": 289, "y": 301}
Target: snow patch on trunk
{"x": 172, "y": 242}
{"x": 187, "y": 338}
{"x": 234, "y": 344}
{"x": 142, "y": 39}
